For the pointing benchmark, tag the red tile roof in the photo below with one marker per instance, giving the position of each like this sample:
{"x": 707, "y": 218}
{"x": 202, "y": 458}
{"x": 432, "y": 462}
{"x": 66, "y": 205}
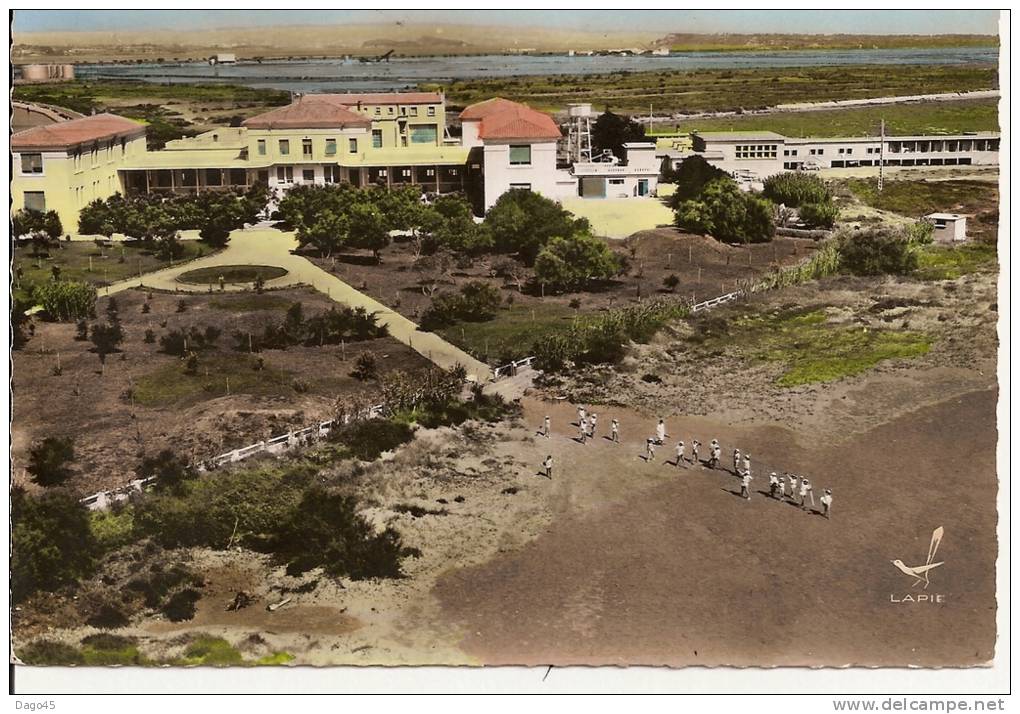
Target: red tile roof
{"x": 388, "y": 98}
{"x": 312, "y": 111}
{"x": 503, "y": 119}
{"x": 66, "y": 134}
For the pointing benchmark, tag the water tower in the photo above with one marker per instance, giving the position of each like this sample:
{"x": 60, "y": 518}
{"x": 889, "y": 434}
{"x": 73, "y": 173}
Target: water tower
{"x": 579, "y": 133}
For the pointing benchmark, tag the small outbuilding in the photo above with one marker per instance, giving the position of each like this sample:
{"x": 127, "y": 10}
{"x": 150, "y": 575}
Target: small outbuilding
{"x": 949, "y": 227}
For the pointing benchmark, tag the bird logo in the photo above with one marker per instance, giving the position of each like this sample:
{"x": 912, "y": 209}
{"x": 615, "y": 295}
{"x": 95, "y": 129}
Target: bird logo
{"x": 920, "y": 573}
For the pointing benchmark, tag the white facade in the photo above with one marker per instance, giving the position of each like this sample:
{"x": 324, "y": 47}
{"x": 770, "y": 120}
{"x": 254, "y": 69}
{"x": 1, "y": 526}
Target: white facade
{"x": 758, "y": 155}
{"x": 506, "y": 168}
{"x": 949, "y": 227}
{"x": 637, "y": 176}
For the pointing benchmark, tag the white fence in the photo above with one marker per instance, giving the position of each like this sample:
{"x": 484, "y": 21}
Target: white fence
{"x": 509, "y": 370}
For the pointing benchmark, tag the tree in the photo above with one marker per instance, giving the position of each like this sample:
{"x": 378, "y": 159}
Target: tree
{"x": 49, "y": 460}
{"x": 522, "y": 222}
{"x": 671, "y": 282}
{"x": 367, "y": 229}
{"x": 877, "y": 251}
{"x": 325, "y": 530}
{"x": 573, "y": 262}
{"x": 611, "y": 131}
{"x": 52, "y": 545}
{"x": 327, "y": 232}
{"x": 169, "y": 470}
{"x": 691, "y": 177}
{"x": 106, "y": 338}
{"x": 36, "y": 223}
{"x": 217, "y": 223}
{"x": 725, "y": 212}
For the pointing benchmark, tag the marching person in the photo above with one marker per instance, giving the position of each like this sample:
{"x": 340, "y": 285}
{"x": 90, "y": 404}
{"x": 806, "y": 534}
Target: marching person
{"x": 806, "y": 492}
{"x": 583, "y": 428}
{"x": 793, "y": 486}
{"x": 594, "y": 421}
{"x": 660, "y": 432}
{"x": 826, "y": 500}
{"x": 745, "y": 485}
{"x": 774, "y": 487}
{"x": 736, "y": 462}
{"x": 614, "y": 429}
{"x": 650, "y": 450}
{"x": 747, "y": 463}
{"x": 694, "y": 451}
{"x": 547, "y": 465}
{"x": 581, "y": 413}
{"x": 679, "y": 454}
{"x": 713, "y": 454}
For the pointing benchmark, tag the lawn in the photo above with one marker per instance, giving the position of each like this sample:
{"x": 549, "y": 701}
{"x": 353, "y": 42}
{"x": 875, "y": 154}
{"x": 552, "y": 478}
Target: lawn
{"x": 620, "y": 217}
{"x": 88, "y": 262}
{"x": 900, "y": 119}
{"x": 231, "y": 274}
{"x": 938, "y": 262}
{"x": 812, "y": 350}
{"x": 512, "y": 333}
{"x": 217, "y": 375}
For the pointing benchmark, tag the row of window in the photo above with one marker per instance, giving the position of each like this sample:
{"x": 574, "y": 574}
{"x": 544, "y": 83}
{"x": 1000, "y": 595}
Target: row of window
{"x": 404, "y": 111}
{"x": 757, "y": 151}
{"x": 425, "y": 134}
{"x": 331, "y": 174}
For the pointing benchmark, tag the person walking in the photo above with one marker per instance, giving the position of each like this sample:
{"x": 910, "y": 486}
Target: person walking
{"x": 694, "y": 451}
{"x": 745, "y": 485}
{"x": 583, "y": 429}
{"x": 747, "y": 463}
{"x": 660, "y": 432}
{"x": 806, "y": 492}
{"x": 546, "y": 427}
{"x": 736, "y": 462}
{"x": 774, "y": 487}
{"x": 581, "y": 413}
{"x": 614, "y": 430}
{"x": 594, "y": 421}
{"x": 714, "y": 452}
{"x": 547, "y": 465}
{"x": 794, "y": 485}
{"x": 826, "y": 500}
{"x": 679, "y": 454}
{"x": 650, "y": 450}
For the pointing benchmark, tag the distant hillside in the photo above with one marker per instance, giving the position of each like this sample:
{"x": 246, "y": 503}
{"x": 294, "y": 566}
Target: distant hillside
{"x": 690, "y": 42}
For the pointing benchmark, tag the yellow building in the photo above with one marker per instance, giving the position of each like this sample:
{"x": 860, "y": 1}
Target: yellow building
{"x": 63, "y": 166}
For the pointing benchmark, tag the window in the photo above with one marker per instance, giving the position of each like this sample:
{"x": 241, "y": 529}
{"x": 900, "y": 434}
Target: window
{"x": 431, "y": 111}
{"x": 306, "y": 148}
{"x": 424, "y": 134}
{"x": 285, "y": 174}
{"x": 329, "y": 173}
{"x": 389, "y": 110}
{"x": 31, "y": 163}
{"x": 308, "y": 175}
{"x": 403, "y": 111}
{"x": 330, "y": 147}
{"x": 284, "y": 146}
{"x": 616, "y": 181}
{"x": 261, "y": 147}
{"x": 406, "y": 173}
{"x": 414, "y": 111}
{"x": 520, "y": 187}
{"x": 352, "y": 146}
{"x": 264, "y": 177}
{"x": 789, "y": 152}
{"x": 35, "y": 201}
{"x": 377, "y": 138}
{"x": 520, "y": 155}
{"x": 849, "y": 151}
{"x": 378, "y": 111}
{"x": 817, "y": 152}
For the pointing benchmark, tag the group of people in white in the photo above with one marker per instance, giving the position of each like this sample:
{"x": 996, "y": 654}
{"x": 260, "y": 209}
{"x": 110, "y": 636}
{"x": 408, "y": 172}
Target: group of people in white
{"x": 797, "y": 489}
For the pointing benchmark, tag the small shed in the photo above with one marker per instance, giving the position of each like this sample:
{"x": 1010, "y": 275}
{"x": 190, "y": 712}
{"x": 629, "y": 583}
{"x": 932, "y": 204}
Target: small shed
{"x": 949, "y": 227}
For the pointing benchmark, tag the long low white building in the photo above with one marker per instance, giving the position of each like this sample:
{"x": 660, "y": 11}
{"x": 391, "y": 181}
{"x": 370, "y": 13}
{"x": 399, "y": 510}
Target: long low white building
{"x": 760, "y": 154}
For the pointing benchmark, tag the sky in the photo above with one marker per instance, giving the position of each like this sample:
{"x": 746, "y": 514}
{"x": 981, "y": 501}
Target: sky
{"x": 912, "y": 22}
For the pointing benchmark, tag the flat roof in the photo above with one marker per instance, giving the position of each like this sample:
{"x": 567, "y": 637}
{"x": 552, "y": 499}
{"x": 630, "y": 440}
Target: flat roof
{"x": 739, "y": 135}
{"x": 946, "y": 216}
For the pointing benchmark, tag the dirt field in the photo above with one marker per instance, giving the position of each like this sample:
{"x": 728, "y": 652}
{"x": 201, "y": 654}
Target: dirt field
{"x": 195, "y": 415}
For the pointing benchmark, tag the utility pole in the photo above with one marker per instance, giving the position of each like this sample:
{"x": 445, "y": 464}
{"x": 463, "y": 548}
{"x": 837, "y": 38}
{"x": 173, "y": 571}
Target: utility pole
{"x": 881, "y": 158}
{"x": 651, "y": 120}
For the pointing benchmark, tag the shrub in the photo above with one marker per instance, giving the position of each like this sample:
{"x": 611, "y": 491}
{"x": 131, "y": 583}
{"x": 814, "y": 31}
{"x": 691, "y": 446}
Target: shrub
{"x": 49, "y": 459}
{"x": 794, "y": 188}
{"x": 725, "y": 212}
{"x": 169, "y": 470}
{"x": 367, "y": 439}
{"x": 104, "y": 648}
{"x": 51, "y": 543}
{"x": 691, "y": 177}
{"x": 575, "y": 261}
{"x": 876, "y": 251}
{"x": 325, "y": 530}
{"x": 106, "y": 338}
{"x": 523, "y": 222}
{"x": 180, "y": 606}
{"x": 112, "y": 528}
{"x": 476, "y": 302}
{"x": 49, "y": 652}
{"x": 212, "y": 651}
{"x": 819, "y": 215}
{"x": 66, "y": 301}
{"x": 365, "y": 367}
{"x": 671, "y": 282}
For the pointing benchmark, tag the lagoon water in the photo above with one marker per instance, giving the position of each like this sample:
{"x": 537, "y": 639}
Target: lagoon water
{"x": 338, "y": 75}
